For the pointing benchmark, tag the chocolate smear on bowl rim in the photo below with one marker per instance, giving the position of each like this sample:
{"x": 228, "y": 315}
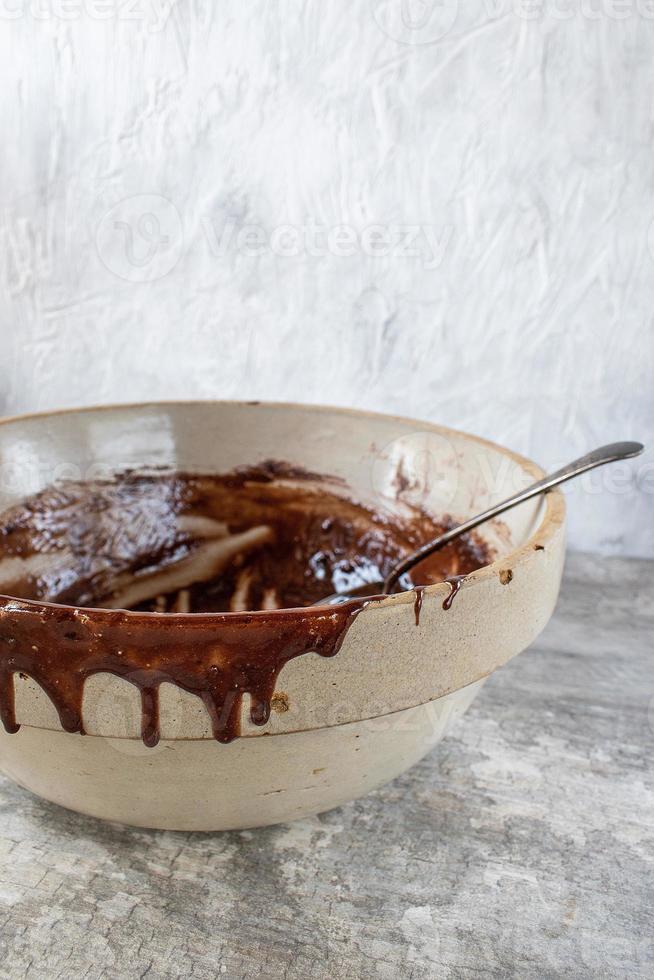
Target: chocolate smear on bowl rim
{"x": 217, "y": 657}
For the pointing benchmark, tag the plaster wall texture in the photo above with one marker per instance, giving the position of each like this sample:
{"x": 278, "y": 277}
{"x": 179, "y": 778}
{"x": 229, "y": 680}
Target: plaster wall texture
{"x": 433, "y": 209}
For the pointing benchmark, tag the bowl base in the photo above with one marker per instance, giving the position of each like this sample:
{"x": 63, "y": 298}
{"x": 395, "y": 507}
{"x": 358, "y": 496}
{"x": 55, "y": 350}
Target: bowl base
{"x": 251, "y": 782}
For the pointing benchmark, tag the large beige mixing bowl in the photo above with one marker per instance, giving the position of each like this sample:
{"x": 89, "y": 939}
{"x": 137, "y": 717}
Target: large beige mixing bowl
{"x": 339, "y": 726}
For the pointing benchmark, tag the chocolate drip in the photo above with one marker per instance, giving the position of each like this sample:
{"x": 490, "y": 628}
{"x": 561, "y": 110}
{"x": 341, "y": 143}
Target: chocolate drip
{"x": 454, "y": 583}
{"x": 219, "y": 658}
{"x": 7, "y": 701}
{"x": 417, "y": 602}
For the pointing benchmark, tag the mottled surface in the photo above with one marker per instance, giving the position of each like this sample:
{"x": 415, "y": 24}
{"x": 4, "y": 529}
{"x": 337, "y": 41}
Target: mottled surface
{"x": 521, "y": 847}
{"x": 340, "y": 202}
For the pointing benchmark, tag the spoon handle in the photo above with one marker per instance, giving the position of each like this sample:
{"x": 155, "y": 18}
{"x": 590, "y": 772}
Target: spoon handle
{"x": 605, "y": 454}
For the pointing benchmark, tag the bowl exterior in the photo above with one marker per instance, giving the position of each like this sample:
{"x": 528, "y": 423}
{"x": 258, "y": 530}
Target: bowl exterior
{"x": 252, "y": 782}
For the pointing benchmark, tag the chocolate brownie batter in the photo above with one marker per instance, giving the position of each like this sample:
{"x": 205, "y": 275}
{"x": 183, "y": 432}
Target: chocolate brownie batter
{"x": 262, "y": 543}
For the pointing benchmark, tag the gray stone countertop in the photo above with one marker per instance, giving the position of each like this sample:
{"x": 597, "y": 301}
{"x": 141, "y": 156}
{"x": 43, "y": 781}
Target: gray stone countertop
{"x": 522, "y": 846}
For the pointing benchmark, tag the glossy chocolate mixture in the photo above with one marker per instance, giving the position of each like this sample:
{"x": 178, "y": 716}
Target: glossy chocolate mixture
{"x": 259, "y": 543}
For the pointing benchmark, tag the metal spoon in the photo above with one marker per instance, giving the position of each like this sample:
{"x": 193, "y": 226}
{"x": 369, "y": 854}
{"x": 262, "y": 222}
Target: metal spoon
{"x": 605, "y": 454}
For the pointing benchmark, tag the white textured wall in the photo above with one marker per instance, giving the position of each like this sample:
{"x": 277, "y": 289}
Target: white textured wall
{"x": 513, "y": 141}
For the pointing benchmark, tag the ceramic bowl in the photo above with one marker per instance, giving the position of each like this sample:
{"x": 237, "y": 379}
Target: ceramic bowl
{"x": 339, "y": 726}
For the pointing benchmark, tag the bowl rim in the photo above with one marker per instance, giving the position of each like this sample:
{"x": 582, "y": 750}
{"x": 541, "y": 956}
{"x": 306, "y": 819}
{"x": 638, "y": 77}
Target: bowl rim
{"x": 552, "y": 520}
